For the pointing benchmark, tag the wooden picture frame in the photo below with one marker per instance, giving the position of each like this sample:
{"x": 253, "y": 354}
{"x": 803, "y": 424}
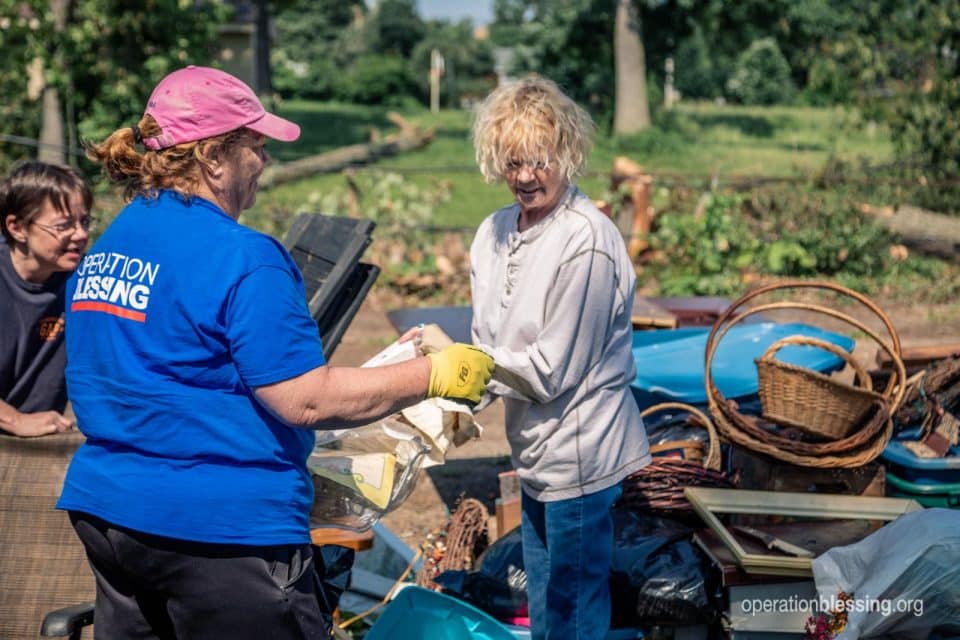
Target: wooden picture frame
{"x": 709, "y": 502}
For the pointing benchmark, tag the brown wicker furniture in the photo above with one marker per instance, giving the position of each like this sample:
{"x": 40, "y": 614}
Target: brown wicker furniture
{"x": 42, "y": 562}
{"x": 862, "y": 443}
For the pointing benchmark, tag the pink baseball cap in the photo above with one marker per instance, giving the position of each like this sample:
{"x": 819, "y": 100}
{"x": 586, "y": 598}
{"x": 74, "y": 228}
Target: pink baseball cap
{"x": 201, "y": 102}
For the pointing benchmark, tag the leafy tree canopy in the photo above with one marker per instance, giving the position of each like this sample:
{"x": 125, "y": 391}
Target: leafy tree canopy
{"x": 395, "y": 27}
{"x": 316, "y": 40}
{"x": 468, "y": 62}
{"x": 904, "y": 59}
{"x": 104, "y": 63}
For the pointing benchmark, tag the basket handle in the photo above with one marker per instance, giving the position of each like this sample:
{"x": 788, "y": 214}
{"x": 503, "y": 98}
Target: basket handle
{"x": 712, "y": 461}
{"x": 811, "y": 284}
{"x": 896, "y": 388}
{"x": 862, "y": 376}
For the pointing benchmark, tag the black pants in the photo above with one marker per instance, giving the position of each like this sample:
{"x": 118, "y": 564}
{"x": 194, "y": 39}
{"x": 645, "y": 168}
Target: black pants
{"x": 158, "y": 588}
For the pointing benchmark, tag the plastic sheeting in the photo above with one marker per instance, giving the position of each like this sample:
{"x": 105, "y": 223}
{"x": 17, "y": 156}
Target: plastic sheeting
{"x": 670, "y": 362}
{"x": 904, "y": 579}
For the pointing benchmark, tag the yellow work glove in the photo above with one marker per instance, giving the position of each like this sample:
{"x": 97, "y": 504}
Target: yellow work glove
{"x": 459, "y": 372}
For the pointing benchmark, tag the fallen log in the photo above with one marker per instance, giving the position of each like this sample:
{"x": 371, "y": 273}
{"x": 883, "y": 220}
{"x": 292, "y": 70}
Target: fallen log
{"x": 408, "y": 138}
{"x": 919, "y": 356}
{"x": 924, "y": 231}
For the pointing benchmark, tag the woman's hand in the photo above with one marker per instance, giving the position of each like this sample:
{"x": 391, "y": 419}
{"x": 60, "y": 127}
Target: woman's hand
{"x": 415, "y": 334}
{"x": 32, "y": 425}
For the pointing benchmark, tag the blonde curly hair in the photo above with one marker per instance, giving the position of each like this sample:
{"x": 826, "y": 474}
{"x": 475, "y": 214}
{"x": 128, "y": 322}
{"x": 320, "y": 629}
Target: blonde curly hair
{"x": 531, "y": 120}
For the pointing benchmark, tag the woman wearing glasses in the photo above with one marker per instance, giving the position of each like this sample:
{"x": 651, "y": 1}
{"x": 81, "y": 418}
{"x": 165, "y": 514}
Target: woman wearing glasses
{"x": 552, "y": 289}
{"x": 45, "y": 218}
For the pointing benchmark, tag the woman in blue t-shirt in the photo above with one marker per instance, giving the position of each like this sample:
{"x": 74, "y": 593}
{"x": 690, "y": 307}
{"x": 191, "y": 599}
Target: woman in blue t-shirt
{"x": 45, "y": 220}
{"x": 198, "y": 377}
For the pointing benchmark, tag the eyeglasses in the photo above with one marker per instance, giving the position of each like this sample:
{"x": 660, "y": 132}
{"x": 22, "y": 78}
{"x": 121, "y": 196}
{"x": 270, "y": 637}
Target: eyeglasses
{"x": 66, "y": 227}
{"x": 533, "y": 165}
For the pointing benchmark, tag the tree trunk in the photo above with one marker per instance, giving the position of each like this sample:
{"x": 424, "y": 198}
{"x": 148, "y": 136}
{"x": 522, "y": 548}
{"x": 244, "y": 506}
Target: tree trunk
{"x": 262, "y": 75}
{"x": 407, "y": 138}
{"x": 632, "y": 113}
{"x": 53, "y": 146}
{"x": 928, "y": 232}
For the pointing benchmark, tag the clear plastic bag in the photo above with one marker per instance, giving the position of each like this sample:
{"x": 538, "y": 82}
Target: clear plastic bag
{"x": 904, "y": 579}
{"x": 361, "y": 474}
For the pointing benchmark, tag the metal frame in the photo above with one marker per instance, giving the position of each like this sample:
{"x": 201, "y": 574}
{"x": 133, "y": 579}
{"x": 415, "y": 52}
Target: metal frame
{"x": 708, "y": 502}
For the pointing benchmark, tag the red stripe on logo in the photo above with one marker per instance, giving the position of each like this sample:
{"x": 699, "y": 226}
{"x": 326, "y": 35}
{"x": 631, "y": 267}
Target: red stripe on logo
{"x": 112, "y": 309}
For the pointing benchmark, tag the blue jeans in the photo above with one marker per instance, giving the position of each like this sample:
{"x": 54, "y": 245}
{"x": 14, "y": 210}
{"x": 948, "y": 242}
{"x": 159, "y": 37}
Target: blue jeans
{"x": 567, "y": 551}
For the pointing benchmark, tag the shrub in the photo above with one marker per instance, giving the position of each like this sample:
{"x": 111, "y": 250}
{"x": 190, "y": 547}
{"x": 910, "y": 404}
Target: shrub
{"x": 695, "y": 75}
{"x": 707, "y": 254}
{"x": 375, "y": 79}
{"x": 827, "y": 83}
{"x": 790, "y": 232}
{"x": 761, "y": 76}
{"x": 315, "y": 79}
{"x": 809, "y": 232}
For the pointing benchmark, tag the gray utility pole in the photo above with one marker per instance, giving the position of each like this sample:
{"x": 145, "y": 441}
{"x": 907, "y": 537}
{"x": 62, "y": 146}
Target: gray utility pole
{"x": 436, "y": 70}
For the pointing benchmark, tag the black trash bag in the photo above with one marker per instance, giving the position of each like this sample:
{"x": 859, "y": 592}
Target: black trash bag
{"x": 672, "y": 426}
{"x": 333, "y": 564}
{"x": 657, "y": 574}
{"x": 498, "y": 584}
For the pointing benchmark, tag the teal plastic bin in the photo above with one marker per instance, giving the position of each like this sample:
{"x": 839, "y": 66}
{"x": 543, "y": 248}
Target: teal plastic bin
{"x": 929, "y": 495}
{"x": 418, "y": 613}
{"x": 923, "y": 471}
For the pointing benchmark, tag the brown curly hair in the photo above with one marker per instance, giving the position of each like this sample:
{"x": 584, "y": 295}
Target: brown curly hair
{"x": 175, "y": 168}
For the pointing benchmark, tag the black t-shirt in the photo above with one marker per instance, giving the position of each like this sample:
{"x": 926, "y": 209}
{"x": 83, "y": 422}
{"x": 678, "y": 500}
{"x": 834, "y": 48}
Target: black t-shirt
{"x": 32, "y": 350}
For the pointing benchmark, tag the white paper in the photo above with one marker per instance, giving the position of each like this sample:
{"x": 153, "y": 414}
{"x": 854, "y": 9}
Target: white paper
{"x": 396, "y": 352}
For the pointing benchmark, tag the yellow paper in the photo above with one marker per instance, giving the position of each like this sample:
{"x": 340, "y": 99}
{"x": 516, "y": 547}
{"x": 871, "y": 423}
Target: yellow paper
{"x": 369, "y": 474}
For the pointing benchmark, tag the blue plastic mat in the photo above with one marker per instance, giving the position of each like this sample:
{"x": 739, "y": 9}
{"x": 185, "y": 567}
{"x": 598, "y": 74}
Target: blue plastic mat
{"x": 418, "y": 613}
{"x": 670, "y": 362}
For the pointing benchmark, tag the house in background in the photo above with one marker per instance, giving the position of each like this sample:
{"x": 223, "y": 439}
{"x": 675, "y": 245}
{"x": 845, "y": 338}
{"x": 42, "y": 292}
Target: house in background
{"x": 237, "y": 42}
{"x": 242, "y": 53}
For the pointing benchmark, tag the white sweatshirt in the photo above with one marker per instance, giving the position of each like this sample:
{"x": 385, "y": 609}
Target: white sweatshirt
{"x": 552, "y": 305}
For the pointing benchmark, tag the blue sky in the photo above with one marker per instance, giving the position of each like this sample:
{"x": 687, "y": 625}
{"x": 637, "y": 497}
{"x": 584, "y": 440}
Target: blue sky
{"x": 480, "y": 11}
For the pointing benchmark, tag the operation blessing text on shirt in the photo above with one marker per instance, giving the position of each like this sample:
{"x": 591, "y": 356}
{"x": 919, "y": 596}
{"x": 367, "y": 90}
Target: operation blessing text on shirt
{"x": 114, "y": 283}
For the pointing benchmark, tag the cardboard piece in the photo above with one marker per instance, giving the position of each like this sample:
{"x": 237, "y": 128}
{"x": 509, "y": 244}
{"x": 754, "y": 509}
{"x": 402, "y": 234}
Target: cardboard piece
{"x": 369, "y": 474}
{"x": 647, "y": 314}
{"x": 508, "y": 515}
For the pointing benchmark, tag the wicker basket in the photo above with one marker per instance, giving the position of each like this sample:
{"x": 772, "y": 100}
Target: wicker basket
{"x": 868, "y": 438}
{"x": 815, "y": 403}
{"x": 658, "y": 487}
{"x": 689, "y": 450}
{"x": 712, "y": 458}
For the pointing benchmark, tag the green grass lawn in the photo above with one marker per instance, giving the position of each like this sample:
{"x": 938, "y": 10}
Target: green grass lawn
{"x": 693, "y": 143}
